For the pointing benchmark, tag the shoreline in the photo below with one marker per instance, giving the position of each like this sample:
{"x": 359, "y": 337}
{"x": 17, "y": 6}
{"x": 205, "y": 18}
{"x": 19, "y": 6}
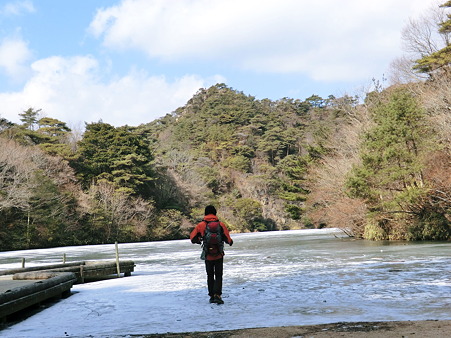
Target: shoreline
{"x": 377, "y": 329}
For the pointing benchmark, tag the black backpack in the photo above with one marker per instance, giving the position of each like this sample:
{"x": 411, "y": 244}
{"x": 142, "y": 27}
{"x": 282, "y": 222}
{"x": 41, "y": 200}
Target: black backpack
{"x": 213, "y": 241}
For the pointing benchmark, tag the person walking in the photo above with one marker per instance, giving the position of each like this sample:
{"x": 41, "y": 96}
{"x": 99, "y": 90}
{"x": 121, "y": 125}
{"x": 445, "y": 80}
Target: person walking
{"x": 212, "y": 234}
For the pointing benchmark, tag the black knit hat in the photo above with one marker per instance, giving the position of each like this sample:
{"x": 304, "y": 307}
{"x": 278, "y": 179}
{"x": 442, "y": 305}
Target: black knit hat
{"x": 210, "y": 210}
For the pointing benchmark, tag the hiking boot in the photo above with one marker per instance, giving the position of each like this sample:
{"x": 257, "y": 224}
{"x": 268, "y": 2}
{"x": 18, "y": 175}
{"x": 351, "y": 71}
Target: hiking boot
{"x": 212, "y": 299}
{"x": 218, "y": 299}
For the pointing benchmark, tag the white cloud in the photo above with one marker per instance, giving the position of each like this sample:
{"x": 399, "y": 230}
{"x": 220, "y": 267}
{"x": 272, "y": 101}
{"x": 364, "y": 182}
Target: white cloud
{"x": 349, "y": 40}
{"x": 17, "y": 8}
{"x": 70, "y": 90}
{"x": 14, "y": 55}
{"x": 328, "y": 40}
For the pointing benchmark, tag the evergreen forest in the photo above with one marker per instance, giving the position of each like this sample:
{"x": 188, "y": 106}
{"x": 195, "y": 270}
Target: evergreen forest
{"x": 376, "y": 165}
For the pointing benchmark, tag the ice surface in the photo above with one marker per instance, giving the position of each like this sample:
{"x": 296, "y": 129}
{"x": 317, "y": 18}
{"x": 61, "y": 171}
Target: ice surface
{"x": 270, "y": 279}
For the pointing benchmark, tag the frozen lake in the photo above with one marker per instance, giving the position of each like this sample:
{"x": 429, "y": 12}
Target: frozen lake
{"x": 270, "y": 279}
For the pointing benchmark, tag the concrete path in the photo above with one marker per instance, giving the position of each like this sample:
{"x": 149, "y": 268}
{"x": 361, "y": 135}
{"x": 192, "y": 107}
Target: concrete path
{"x": 7, "y": 283}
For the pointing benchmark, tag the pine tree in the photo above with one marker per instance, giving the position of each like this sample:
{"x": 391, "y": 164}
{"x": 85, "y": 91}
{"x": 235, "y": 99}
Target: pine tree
{"x": 29, "y": 118}
{"x": 390, "y": 178}
{"x": 119, "y": 155}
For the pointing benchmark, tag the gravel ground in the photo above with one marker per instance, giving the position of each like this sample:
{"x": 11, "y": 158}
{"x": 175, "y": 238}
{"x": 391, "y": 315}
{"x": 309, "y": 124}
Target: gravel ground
{"x": 423, "y": 329}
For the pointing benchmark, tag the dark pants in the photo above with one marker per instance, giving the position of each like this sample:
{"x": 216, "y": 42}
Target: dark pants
{"x": 214, "y": 276}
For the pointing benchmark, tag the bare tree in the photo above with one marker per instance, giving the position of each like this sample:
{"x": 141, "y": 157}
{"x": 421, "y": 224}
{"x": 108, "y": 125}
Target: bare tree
{"x": 75, "y": 135}
{"x": 16, "y": 175}
{"x": 436, "y": 99}
{"x": 328, "y": 202}
{"x": 117, "y": 210}
{"x": 419, "y": 38}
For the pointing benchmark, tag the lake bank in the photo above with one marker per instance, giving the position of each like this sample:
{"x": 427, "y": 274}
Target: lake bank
{"x": 423, "y": 329}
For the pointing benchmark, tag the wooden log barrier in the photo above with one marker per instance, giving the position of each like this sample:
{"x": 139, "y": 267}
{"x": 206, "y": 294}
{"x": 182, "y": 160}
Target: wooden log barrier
{"x": 37, "y": 268}
{"x": 41, "y": 275}
{"x": 53, "y": 281}
{"x": 98, "y": 269}
{"x": 82, "y": 270}
{"x": 19, "y": 298}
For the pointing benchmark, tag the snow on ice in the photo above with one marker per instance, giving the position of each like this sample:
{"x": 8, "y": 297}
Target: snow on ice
{"x": 282, "y": 278}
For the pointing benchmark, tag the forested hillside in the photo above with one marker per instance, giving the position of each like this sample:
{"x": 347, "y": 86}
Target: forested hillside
{"x": 250, "y": 157}
{"x": 376, "y": 165}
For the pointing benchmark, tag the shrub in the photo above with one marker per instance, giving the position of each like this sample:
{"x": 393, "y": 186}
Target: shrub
{"x": 374, "y": 232}
{"x": 432, "y": 226}
{"x": 294, "y": 211}
{"x": 238, "y": 162}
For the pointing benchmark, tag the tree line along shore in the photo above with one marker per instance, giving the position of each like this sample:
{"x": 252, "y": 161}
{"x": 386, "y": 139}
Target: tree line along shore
{"x": 376, "y": 164}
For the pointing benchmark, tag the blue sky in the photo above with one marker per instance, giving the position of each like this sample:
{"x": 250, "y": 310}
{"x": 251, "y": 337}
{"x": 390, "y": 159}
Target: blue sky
{"x": 132, "y": 61}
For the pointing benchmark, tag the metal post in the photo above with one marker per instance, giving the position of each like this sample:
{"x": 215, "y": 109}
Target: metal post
{"x": 118, "y": 268}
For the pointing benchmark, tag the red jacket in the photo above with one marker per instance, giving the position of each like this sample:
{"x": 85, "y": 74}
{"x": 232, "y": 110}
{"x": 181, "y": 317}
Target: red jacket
{"x": 199, "y": 232}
